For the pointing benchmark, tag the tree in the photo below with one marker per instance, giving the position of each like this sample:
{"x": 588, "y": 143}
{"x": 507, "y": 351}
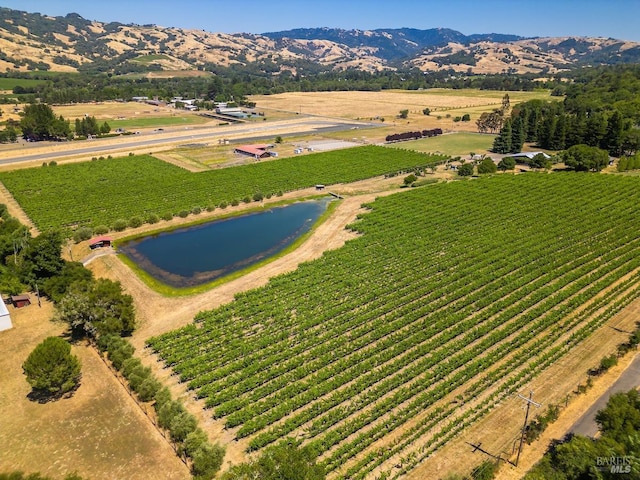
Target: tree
{"x": 97, "y": 308}
{"x": 56, "y": 287}
{"x": 410, "y": 179}
{"x": 540, "y": 160}
{"x": 426, "y": 111}
{"x": 487, "y": 166}
{"x": 51, "y": 369}
{"x": 621, "y": 417}
{"x": 404, "y": 114}
{"x": 465, "y": 170}
{"x": 507, "y": 163}
{"x": 502, "y": 143}
{"x": 42, "y": 257}
{"x": 207, "y": 460}
{"x": 585, "y": 158}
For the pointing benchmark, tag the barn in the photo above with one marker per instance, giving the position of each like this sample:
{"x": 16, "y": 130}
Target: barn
{"x": 99, "y": 242}
{"x": 255, "y": 151}
{"x": 20, "y": 301}
{"x": 5, "y": 318}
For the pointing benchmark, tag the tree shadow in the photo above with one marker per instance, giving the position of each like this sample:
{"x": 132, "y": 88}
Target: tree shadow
{"x": 43, "y": 396}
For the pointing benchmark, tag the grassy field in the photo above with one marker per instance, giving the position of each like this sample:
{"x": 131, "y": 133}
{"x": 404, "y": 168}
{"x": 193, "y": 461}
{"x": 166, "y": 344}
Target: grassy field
{"x": 11, "y": 83}
{"x": 455, "y": 144}
{"x": 98, "y": 432}
{"x": 103, "y": 191}
{"x": 150, "y": 122}
{"x": 455, "y": 297}
{"x": 150, "y": 58}
{"x": 388, "y": 103}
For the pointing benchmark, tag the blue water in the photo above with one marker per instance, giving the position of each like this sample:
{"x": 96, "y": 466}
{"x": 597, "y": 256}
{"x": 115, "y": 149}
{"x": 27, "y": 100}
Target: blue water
{"x": 200, "y": 254}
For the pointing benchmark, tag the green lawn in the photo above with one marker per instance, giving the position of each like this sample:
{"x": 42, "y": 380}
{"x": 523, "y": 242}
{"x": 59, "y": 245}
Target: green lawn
{"x": 11, "y": 83}
{"x": 147, "y": 122}
{"x": 454, "y": 144}
{"x": 150, "y": 58}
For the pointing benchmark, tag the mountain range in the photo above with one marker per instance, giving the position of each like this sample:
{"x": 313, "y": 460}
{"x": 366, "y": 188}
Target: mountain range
{"x": 31, "y": 41}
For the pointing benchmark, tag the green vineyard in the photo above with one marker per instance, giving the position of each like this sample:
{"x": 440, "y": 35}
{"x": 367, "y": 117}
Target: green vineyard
{"x": 103, "y": 191}
{"x": 453, "y": 296}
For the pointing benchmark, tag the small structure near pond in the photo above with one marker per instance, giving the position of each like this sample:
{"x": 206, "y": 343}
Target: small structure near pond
{"x": 99, "y": 242}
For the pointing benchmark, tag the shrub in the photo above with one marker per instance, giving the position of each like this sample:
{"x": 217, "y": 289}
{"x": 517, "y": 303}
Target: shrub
{"x": 235, "y": 202}
{"x": 153, "y": 218}
{"x": 119, "y": 225}
{"x": 247, "y": 199}
{"x": 53, "y": 163}
{"x": 167, "y": 216}
{"x": 268, "y": 196}
{"x": 101, "y": 230}
{"x": 223, "y": 205}
{"x": 196, "y": 210}
{"x": 183, "y": 213}
{"x": 258, "y": 197}
{"x": 135, "y": 222}
{"x": 81, "y": 234}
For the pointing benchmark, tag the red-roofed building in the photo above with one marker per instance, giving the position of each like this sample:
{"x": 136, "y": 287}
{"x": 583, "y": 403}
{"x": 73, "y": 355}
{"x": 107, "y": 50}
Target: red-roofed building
{"x": 255, "y": 151}
{"x": 99, "y": 242}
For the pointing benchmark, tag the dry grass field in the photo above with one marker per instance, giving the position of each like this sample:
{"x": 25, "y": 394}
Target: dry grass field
{"x": 99, "y": 432}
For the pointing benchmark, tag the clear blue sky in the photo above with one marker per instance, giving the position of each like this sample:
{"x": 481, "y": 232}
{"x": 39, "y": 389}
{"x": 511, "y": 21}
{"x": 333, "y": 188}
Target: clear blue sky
{"x": 604, "y": 18}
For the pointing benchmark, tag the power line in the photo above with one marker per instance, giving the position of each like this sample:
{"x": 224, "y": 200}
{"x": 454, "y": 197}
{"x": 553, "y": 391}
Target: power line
{"x": 526, "y": 417}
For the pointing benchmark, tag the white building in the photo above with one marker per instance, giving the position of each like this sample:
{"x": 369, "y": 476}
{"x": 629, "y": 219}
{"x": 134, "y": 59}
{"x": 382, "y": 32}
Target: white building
{"x": 5, "y": 319}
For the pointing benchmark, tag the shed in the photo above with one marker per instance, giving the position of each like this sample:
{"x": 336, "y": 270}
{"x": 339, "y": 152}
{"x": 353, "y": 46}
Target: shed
{"x": 98, "y": 242}
{"x": 5, "y": 318}
{"x": 20, "y": 301}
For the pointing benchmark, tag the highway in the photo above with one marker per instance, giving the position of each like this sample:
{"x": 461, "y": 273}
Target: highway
{"x": 170, "y": 136}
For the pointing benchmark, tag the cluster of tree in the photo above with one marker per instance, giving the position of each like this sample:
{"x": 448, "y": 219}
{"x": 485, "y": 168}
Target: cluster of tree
{"x": 399, "y": 137}
{"x": 613, "y": 453}
{"x": 89, "y": 126}
{"x": 598, "y": 111}
{"x": 629, "y": 163}
{"x": 40, "y": 123}
{"x": 26, "y": 262}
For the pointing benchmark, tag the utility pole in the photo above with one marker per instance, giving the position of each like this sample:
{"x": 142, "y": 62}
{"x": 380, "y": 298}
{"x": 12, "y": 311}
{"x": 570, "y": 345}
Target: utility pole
{"x": 526, "y": 417}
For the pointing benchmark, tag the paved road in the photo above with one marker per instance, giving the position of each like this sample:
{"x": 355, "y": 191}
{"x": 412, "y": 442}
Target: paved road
{"x": 630, "y": 378}
{"x": 304, "y": 126}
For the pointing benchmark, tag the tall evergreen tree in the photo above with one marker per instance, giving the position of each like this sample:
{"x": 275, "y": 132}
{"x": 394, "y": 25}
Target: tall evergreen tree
{"x": 517, "y": 135}
{"x": 502, "y": 143}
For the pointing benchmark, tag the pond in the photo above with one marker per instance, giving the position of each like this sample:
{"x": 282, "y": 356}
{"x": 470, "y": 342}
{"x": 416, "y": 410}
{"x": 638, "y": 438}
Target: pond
{"x": 200, "y": 254}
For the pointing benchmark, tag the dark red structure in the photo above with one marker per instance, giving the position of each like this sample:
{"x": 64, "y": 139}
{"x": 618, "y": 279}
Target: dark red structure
{"x": 99, "y": 242}
{"x": 19, "y": 301}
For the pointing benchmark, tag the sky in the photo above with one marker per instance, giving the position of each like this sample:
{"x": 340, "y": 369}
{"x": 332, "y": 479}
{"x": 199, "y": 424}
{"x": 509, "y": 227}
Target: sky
{"x": 595, "y": 18}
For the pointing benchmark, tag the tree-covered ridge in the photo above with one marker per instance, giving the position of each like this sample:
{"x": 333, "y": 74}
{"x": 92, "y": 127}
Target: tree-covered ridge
{"x": 104, "y": 191}
{"x": 601, "y": 109}
{"x": 475, "y": 286}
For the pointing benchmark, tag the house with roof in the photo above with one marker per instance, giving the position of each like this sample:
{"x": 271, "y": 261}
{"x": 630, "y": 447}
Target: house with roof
{"x": 5, "y": 318}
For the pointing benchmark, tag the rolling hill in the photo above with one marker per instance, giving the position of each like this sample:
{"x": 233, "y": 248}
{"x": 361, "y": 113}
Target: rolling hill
{"x": 31, "y": 41}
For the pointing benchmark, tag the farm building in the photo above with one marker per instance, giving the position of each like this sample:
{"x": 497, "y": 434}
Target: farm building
{"x": 99, "y": 242}
{"x": 5, "y": 318}
{"x": 255, "y": 151}
{"x": 19, "y": 301}
{"x": 528, "y": 155}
